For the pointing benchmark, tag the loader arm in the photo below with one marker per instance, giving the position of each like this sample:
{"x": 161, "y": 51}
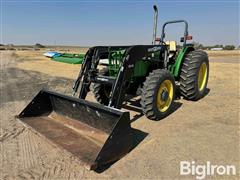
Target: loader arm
{"x": 88, "y": 72}
{"x": 133, "y": 54}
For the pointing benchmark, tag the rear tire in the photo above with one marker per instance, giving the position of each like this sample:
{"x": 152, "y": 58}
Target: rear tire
{"x": 102, "y": 91}
{"x": 194, "y": 75}
{"x": 156, "y": 103}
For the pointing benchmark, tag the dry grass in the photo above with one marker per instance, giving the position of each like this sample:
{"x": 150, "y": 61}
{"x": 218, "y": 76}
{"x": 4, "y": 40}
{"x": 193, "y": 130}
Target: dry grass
{"x": 45, "y": 65}
{"x": 223, "y": 53}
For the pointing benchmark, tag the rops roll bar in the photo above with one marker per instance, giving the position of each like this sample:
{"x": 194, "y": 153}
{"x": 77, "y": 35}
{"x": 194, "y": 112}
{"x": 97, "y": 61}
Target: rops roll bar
{"x": 176, "y": 21}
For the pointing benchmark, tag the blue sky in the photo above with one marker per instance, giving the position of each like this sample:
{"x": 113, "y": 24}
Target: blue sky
{"x": 120, "y": 22}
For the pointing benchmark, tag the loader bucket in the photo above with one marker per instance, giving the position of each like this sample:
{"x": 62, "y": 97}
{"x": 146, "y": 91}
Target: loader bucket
{"x": 95, "y": 134}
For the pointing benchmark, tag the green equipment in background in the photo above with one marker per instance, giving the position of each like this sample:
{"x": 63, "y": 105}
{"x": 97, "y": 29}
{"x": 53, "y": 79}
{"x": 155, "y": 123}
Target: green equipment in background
{"x": 69, "y": 58}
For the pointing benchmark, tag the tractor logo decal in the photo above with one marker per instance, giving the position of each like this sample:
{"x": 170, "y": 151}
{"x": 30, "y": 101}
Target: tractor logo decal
{"x": 154, "y": 49}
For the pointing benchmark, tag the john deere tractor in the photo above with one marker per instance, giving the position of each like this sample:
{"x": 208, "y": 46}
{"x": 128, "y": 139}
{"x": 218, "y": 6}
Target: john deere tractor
{"x": 99, "y": 133}
{"x": 151, "y": 71}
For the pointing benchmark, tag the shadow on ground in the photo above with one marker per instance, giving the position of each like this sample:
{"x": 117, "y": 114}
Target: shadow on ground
{"x": 23, "y": 85}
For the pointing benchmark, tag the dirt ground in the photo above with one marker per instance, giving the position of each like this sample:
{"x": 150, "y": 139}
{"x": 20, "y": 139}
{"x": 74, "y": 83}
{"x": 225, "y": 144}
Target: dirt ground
{"x": 207, "y": 130}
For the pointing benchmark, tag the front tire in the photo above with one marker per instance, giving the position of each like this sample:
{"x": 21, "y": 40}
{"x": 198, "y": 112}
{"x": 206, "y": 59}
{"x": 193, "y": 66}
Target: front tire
{"x": 102, "y": 91}
{"x": 194, "y": 75}
{"x": 158, "y": 94}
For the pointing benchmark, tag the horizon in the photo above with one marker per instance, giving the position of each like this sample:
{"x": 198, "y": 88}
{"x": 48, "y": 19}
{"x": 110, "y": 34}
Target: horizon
{"x": 90, "y": 23}
{"x": 82, "y": 46}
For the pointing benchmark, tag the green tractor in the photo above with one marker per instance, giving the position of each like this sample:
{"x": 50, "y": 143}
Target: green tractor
{"x": 151, "y": 71}
{"x": 101, "y": 133}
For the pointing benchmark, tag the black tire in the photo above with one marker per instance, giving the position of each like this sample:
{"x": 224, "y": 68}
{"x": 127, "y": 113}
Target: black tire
{"x": 102, "y": 91}
{"x": 189, "y": 75}
{"x": 150, "y": 93}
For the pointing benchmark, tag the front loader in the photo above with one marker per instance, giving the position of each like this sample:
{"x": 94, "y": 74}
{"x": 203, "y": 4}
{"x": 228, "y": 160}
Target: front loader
{"x": 101, "y": 133}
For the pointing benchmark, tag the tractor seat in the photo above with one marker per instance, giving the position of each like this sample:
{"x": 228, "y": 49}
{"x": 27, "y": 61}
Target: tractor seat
{"x": 172, "y": 45}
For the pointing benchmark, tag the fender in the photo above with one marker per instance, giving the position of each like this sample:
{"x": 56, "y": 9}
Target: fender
{"x": 176, "y": 67}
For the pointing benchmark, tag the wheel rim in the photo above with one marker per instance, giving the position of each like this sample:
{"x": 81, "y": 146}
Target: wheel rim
{"x": 163, "y": 103}
{"x": 202, "y": 76}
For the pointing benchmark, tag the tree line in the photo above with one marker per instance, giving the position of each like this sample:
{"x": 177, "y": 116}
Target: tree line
{"x": 201, "y": 46}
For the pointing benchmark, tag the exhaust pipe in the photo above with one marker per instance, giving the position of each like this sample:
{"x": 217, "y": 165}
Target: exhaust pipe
{"x": 155, "y": 24}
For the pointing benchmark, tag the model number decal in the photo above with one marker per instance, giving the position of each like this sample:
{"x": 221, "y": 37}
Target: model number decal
{"x": 154, "y": 49}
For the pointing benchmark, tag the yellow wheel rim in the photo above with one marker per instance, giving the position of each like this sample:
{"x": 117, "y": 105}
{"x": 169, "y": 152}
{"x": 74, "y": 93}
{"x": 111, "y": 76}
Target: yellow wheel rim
{"x": 164, "y": 95}
{"x": 202, "y": 76}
